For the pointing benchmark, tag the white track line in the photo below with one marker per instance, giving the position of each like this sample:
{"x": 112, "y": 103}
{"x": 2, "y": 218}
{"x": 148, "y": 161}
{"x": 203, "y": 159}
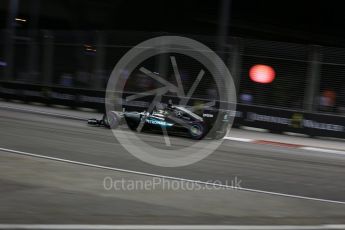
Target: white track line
{"x": 238, "y": 139}
{"x": 309, "y": 148}
{"x": 172, "y": 178}
{"x": 167, "y": 227}
{"x": 323, "y": 150}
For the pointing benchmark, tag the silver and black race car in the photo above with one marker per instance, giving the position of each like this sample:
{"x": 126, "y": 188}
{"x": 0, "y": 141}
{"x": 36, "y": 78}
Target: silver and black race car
{"x": 175, "y": 120}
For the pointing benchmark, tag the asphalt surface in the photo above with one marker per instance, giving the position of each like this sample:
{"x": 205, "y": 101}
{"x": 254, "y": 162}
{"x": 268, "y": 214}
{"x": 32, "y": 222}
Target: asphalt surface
{"x": 47, "y": 191}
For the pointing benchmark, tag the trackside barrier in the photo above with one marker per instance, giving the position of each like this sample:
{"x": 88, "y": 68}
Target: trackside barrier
{"x": 276, "y": 120}
{"x": 283, "y": 120}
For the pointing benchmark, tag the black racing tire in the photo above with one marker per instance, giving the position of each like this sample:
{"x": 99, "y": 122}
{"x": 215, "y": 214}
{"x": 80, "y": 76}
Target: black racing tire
{"x": 112, "y": 120}
{"x": 197, "y": 131}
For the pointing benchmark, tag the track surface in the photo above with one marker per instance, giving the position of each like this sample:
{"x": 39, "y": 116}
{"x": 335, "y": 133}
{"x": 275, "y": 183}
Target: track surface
{"x": 268, "y": 168}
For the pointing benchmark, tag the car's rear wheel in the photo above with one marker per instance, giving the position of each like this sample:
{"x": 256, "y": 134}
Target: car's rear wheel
{"x": 196, "y": 131}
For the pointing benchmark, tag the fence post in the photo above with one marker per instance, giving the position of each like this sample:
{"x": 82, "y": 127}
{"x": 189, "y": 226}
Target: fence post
{"x": 313, "y": 82}
{"x": 223, "y": 22}
{"x": 9, "y": 39}
{"x": 234, "y": 62}
{"x": 99, "y": 70}
{"x": 48, "y": 57}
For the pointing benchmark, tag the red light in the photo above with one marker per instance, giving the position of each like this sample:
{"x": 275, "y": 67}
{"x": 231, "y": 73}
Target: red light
{"x": 262, "y": 74}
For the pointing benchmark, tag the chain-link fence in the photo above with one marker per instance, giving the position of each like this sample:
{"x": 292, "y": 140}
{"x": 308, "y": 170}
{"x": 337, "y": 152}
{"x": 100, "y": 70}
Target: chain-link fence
{"x": 307, "y": 77}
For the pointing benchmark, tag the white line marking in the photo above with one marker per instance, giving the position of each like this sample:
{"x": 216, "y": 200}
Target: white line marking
{"x": 173, "y": 178}
{"x": 238, "y": 139}
{"x": 254, "y": 129}
{"x": 167, "y": 227}
{"x": 323, "y": 150}
{"x": 314, "y": 149}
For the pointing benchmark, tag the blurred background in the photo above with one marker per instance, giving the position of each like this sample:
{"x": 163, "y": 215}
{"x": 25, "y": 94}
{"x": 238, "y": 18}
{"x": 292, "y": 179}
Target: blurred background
{"x": 286, "y": 55}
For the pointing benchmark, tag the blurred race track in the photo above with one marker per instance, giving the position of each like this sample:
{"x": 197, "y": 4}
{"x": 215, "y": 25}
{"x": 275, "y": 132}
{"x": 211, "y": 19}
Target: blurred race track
{"x": 36, "y": 190}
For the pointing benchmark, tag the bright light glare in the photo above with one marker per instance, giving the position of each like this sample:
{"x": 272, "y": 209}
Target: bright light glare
{"x": 263, "y": 74}
{"x": 20, "y": 19}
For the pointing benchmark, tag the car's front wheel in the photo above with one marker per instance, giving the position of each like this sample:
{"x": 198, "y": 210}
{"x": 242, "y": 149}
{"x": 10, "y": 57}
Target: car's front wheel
{"x": 112, "y": 120}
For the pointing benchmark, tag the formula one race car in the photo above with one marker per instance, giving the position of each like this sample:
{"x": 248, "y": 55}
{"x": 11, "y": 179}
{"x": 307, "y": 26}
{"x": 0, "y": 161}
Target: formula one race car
{"x": 175, "y": 120}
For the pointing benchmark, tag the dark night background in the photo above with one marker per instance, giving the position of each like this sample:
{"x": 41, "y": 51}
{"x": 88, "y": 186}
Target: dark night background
{"x": 76, "y": 43}
{"x": 310, "y": 22}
